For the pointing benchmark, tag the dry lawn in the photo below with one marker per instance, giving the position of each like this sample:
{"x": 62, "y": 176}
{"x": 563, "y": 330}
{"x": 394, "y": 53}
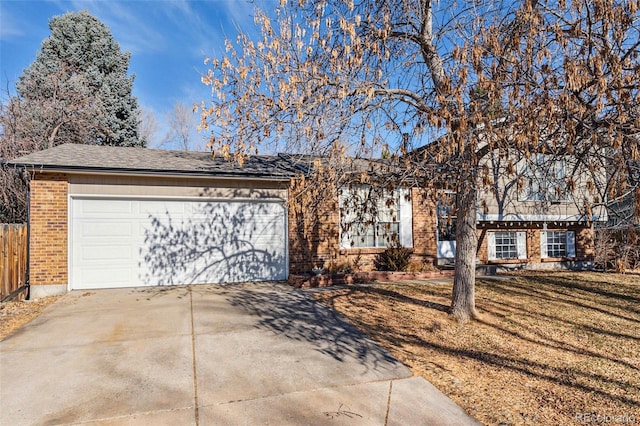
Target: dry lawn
{"x": 555, "y": 348}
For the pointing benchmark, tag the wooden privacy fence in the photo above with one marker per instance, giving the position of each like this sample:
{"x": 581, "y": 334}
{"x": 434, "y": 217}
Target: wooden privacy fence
{"x": 13, "y": 259}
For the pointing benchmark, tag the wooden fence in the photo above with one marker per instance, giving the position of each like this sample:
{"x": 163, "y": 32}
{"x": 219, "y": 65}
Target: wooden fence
{"x": 13, "y": 260}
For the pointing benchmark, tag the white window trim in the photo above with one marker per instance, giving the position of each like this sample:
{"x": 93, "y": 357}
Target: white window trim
{"x": 521, "y": 244}
{"x": 406, "y": 218}
{"x": 491, "y": 245}
{"x": 571, "y": 244}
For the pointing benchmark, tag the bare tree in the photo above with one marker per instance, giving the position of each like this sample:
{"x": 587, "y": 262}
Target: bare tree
{"x": 147, "y": 126}
{"x": 344, "y": 78}
{"x": 13, "y": 203}
{"x": 67, "y": 115}
{"x": 182, "y": 125}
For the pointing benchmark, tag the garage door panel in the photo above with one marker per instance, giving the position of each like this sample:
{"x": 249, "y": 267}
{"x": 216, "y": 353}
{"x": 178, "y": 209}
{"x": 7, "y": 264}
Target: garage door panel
{"x": 104, "y": 228}
{"x": 100, "y": 208}
{"x": 240, "y": 265}
{"x": 264, "y": 241}
{"x": 159, "y": 208}
{"x": 95, "y": 277}
{"x": 161, "y": 242}
{"x": 105, "y": 253}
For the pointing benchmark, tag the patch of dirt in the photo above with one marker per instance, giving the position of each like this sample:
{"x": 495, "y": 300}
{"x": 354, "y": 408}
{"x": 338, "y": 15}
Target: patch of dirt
{"x": 15, "y": 314}
{"x": 549, "y": 348}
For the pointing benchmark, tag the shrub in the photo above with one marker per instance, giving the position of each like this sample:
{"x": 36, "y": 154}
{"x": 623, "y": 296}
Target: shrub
{"x": 394, "y": 258}
{"x": 335, "y": 267}
{"x": 357, "y": 263}
{"x": 617, "y": 249}
{"x": 421, "y": 266}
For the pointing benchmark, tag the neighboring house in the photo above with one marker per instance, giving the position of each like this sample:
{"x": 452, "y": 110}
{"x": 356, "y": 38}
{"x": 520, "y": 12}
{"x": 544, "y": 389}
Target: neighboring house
{"x": 105, "y": 216}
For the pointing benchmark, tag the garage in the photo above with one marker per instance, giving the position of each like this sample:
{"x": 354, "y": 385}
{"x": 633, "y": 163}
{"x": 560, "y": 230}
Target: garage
{"x": 113, "y": 217}
{"x": 126, "y": 242}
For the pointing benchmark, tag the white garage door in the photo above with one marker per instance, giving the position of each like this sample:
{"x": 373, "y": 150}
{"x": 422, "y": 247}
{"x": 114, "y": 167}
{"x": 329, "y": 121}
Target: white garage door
{"x": 142, "y": 242}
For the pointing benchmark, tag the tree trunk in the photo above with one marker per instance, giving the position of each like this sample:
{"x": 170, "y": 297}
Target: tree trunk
{"x": 52, "y": 136}
{"x": 463, "y": 305}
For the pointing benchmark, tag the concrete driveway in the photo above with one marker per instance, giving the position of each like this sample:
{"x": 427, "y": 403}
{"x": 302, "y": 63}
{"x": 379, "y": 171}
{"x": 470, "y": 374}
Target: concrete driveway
{"x": 210, "y": 355}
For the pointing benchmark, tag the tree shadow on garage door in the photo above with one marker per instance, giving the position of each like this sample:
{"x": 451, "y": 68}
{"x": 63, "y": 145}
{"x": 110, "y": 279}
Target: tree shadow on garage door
{"x": 215, "y": 242}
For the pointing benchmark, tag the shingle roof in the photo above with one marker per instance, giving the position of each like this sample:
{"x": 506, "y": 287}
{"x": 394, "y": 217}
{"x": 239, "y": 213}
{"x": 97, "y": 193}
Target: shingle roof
{"x": 352, "y": 165}
{"x": 96, "y": 158}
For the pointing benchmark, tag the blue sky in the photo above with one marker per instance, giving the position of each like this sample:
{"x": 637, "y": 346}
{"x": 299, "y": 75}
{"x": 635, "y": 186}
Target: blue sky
{"x": 168, "y": 40}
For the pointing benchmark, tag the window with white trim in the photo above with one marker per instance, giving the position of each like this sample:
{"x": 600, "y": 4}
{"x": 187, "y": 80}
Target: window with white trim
{"x": 507, "y": 245}
{"x": 371, "y": 218}
{"x": 557, "y": 244}
{"x": 546, "y": 179}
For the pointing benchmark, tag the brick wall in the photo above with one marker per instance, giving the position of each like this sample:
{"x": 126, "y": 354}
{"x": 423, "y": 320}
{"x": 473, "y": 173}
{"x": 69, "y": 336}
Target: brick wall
{"x": 424, "y": 226}
{"x": 48, "y": 233}
{"x": 585, "y": 243}
{"x": 483, "y": 250}
{"x": 313, "y": 233}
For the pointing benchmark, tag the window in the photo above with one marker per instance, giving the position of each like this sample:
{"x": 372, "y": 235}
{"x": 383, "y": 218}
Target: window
{"x": 507, "y": 245}
{"x": 557, "y": 244}
{"x": 546, "y": 179}
{"x": 379, "y": 234}
{"x": 447, "y": 217}
{"x": 373, "y": 218}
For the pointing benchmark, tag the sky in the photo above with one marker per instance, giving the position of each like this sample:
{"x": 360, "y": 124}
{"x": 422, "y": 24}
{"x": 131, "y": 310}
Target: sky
{"x": 168, "y": 41}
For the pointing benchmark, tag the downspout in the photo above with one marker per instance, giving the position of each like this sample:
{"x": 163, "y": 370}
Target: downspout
{"x": 24, "y": 175}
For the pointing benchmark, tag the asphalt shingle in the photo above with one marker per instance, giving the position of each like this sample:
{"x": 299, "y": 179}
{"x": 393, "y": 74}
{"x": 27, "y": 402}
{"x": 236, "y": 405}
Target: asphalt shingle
{"x": 143, "y": 160}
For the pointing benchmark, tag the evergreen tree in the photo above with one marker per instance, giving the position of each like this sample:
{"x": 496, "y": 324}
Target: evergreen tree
{"x": 77, "y": 90}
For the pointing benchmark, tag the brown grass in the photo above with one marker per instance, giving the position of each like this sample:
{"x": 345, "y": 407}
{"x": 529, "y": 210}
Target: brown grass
{"x": 548, "y": 348}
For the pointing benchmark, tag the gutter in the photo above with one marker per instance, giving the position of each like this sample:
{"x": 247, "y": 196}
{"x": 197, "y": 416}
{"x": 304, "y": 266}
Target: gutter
{"x": 147, "y": 172}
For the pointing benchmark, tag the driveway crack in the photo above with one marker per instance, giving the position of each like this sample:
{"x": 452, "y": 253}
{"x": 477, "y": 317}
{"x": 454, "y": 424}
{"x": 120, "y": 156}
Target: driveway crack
{"x": 386, "y": 416}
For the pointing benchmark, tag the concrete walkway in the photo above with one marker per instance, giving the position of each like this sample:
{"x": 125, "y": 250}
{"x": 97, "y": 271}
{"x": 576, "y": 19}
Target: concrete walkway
{"x": 210, "y": 355}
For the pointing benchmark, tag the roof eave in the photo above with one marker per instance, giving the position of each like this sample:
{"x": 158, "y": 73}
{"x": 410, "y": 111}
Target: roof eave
{"x": 48, "y": 168}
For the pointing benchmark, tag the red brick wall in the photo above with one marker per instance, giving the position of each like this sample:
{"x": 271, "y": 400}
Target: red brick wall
{"x": 483, "y": 253}
{"x": 424, "y": 226}
{"x": 313, "y": 238}
{"x": 585, "y": 244}
{"x": 48, "y": 233}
